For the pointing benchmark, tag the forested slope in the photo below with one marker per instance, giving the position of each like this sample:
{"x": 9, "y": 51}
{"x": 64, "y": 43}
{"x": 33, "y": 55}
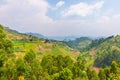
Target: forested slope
{"x": 106, "y": 50}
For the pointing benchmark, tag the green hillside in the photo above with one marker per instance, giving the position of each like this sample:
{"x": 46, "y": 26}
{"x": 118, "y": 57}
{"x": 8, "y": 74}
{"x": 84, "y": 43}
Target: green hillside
{"x": 23, "y": 43}
{"x": 102, "y": 50}
{"x": 106, "y": 51}
{"x": 79, "y": 44}
{"x": 26, "y": 57}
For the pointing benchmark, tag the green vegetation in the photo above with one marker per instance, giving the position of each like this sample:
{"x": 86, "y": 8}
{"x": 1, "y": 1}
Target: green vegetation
{"x": 26, "y": 57}
{"x": 106, "y": 51}
{"x": 80, "y": 43}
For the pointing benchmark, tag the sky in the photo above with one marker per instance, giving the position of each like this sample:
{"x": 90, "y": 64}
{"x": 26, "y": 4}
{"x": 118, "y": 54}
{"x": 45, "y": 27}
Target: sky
{"x": 62, "y": 17}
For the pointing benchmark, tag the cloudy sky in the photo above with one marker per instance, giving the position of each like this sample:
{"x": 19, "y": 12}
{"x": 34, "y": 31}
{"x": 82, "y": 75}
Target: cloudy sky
{"x": 62, "y": 17}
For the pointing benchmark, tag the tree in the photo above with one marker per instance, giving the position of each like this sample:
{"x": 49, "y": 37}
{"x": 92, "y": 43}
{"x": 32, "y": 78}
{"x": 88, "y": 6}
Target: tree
{"x": 115, "y": 71}
{"x": 107, "y": 73}
{"x": 30, "y": 56}
{"x": 89, "y": 73}
{"x": 92, "y": 75}
{"x": 102, "y": 75}
{"x": 10, "y": 71}
{"x": 67, "y": 62}
{"x": 6, "y": 48}
{"x": 5, "y": 44}
{"x": 22, "y": 68}
{"x": 60, "y": 62}
{"x": 2, "y": 33}
{"x": 36, "y": 69}
{"x": 65, "y": 74}
{"x": 114, "y": 68}
{"x": 3, "y": 58}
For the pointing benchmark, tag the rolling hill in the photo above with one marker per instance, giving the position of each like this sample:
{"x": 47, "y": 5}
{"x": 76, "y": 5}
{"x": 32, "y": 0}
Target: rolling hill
{"x": 103, "y": 50}
{"x": 27, "y": 57}
{"x": 25, "y": 42}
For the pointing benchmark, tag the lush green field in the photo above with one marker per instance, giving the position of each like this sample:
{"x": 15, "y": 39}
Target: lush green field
{"x": 42, "y": 48}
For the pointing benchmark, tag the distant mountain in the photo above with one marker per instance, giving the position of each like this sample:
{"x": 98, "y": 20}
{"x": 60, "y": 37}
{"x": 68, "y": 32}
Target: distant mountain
{"x": 36, "y": 35}
{"x": 58, "y": 38}
{"x": 61, "y": 38}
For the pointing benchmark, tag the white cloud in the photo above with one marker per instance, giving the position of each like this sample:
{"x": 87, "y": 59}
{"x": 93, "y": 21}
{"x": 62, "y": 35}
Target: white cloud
{"x": 83, "y": 9}
{"x": 30, "y": 16}
{"x": 102, "y": 26}
{"x": 58, "y": 5}
{"x": 25, "y": 15}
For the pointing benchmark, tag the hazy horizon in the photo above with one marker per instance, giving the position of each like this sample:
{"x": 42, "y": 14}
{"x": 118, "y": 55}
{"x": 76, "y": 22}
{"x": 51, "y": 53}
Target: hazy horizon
{"x": 94, "y": 18}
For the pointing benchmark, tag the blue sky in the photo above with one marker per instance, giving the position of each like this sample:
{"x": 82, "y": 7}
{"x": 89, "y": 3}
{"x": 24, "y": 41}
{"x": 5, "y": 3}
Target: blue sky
{"x": 62, "y": 17}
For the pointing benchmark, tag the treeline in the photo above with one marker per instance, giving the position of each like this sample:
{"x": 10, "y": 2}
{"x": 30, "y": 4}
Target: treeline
{"x": 52, "y": 67}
